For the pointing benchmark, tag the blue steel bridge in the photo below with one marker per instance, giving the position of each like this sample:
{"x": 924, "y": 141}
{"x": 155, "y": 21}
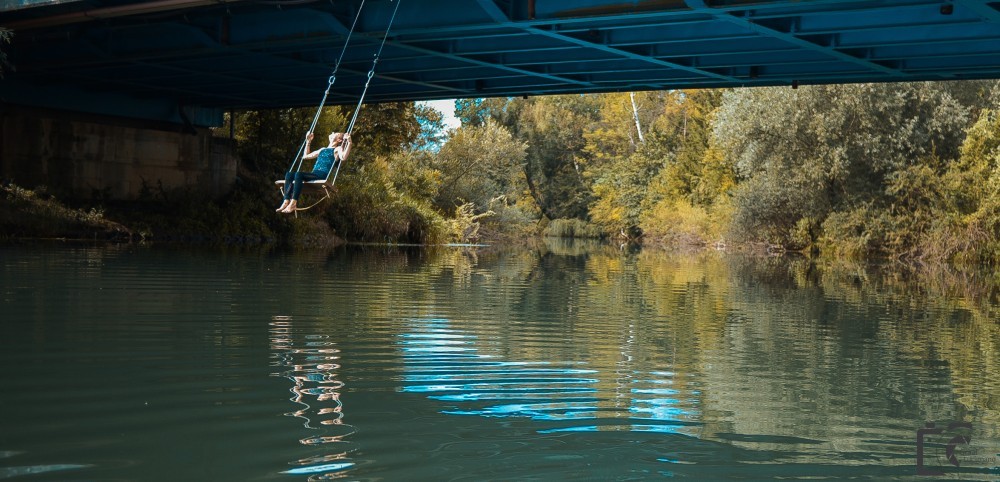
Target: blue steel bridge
{"x": 151, "y": 59}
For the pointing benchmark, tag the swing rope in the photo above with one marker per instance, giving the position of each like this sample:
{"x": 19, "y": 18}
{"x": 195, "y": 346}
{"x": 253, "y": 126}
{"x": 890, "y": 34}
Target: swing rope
{"x": 329, "y": 84}
{"x": 357, "y": 109}
{"x": 371, "y": 73}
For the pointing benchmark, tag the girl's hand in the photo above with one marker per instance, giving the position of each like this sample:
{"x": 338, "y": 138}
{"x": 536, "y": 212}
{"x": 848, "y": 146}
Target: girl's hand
{"x": 309, "y": 136}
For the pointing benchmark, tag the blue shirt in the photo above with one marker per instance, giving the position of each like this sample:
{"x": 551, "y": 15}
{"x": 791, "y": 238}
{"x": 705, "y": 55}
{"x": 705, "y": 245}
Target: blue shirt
{"x": 324, "y": 162}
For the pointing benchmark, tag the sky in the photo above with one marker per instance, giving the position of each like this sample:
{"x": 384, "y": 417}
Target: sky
{"x": 446, "y": 107}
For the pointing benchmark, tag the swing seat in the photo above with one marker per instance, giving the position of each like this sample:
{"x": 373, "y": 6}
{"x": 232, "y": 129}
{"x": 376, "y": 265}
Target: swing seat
{"x": 318, "y": 182}
{"x": 281, "y": 182}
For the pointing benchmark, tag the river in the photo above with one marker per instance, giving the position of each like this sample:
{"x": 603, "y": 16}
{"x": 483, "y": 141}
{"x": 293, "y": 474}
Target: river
{"x": 124, "y": 362}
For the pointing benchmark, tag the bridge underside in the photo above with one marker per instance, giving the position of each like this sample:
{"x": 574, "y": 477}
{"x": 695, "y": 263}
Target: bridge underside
{"x": 189, "y": 60}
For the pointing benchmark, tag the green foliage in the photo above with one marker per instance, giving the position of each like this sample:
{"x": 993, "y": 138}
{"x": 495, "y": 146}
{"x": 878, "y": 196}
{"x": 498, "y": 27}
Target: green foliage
{"x": 510, "y": 220}
{"x": 431, "y": 128}
{"x": 33, "y": 214}
{"x": 478, "y": 164}
{"x": 807, "y": 153}
{"x": 621, "y": 191}
{"x": 672, "y": 164}
{"x": 684, "y": 224}
{"x": 368, "y": 206}
{"x": 572, "y": 228}
{"x": 412, "y": 173}
{"x": 268, "y": 140}
{"x": 974, "y": 185}
{"x": 384, "y": 129}
{"x": 475, "y": 112}
{"x": 684, "y": 129}
{"x": 465, "y": 224}
{"x": 235, "y": 218}
{"x": 619, "y": 162}
{"x": 553, "y": 128}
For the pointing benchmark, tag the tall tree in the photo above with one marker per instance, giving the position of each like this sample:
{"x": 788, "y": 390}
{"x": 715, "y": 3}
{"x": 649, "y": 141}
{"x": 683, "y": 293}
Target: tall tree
{"x": 476, "y": 111}
{"x": 805, "y": 153}
{"x": 431, "y": 127}
{"x": 553, "y": 127}
{"x": 477, "y": 164}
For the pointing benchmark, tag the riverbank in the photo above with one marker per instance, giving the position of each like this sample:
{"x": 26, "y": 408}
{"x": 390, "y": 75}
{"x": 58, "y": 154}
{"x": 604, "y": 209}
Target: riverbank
{"x": 176, "y": 217}
{"x": 36, "y": 214}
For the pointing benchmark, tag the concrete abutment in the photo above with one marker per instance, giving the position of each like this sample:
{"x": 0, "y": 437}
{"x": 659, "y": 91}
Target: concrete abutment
{"x": 83, "y": 155}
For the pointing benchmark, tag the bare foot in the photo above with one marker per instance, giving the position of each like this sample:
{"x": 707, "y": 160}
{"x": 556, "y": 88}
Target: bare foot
{"x": 282, "y": 207}
{"x": 290, "y": 208}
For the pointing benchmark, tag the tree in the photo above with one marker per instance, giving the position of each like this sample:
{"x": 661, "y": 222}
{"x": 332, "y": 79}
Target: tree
{"x": 431, "y": 128}
{"x": 803, "y": 154}
{"x": 553, "y": 128}
{"x": 478, "y": 164}
{"x": 386, "y": 128}
{"x": 267, "y": 140}
{"x": 475, "y": 112}
{"x": 634, "y": 174}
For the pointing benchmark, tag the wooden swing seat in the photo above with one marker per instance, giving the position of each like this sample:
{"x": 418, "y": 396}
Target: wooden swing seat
{"x": 318, "y": 182}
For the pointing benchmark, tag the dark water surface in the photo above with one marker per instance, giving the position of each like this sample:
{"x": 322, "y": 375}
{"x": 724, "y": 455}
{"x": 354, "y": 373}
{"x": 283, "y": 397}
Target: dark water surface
{"x": 132, "y": 363}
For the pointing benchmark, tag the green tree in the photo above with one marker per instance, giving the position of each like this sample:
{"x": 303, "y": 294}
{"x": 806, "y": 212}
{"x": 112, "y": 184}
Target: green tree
{"x": 268, "y": 140}
{"x": 476, "y": 111}
{"x": 478, "y": 164}
{"x": 973, "y": 183}
{"x": 634, "y": 175}
{"x": 553, "y": 128}
{"x": 386, "y": 128}
{"x": 803, "y": 154}
{"x": 431, "y": 127}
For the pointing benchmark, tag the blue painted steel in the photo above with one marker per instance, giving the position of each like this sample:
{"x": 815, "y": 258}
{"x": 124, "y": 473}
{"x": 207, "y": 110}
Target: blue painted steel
{"x": 212, "y": 55}
{"x": 8, "y": 5}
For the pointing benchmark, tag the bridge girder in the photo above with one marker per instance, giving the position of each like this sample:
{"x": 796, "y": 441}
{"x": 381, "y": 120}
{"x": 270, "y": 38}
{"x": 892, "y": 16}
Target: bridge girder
{"x": 204, "y": 56}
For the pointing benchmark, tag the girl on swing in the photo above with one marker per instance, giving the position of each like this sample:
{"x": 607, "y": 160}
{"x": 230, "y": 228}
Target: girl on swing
{"x": 337, "y": 151}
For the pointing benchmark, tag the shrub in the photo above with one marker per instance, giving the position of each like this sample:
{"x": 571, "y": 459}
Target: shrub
{"x": 572, "y": 228}
{"x": 678, "y": 223}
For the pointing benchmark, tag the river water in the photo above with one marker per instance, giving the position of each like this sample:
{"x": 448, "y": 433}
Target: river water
{"x": 556, "y": 362}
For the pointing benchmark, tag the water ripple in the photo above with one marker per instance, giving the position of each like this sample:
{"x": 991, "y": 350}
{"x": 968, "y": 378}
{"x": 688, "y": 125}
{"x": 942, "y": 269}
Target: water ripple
{"x": 479, "y": 384}
{"x": 310, "y": 362}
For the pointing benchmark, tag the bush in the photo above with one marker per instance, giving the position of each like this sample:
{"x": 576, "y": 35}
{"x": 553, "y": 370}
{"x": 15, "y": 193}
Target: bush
{"x": 509, "y": 221}
{"x": 26, "y": 213}
{"x": 368, "y": 207}
{"x": 572, "y": 228}
{"x": 678, "y": 223}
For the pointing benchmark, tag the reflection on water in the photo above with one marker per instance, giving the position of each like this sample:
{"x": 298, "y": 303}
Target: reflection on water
{"x": 556, "y": 362}
{"x": 311, "y": 364}
{"x": 444, "y": 364}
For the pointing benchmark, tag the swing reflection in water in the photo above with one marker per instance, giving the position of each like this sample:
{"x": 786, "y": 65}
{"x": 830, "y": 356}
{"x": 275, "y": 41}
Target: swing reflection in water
{"x": 311, "y": 361}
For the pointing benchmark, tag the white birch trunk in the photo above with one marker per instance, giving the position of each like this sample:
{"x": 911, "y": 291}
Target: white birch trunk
{"x": 635, "y": 115}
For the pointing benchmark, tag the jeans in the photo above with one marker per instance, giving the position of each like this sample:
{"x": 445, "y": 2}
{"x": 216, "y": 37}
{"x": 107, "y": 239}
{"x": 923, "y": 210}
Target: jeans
{"x": 294, "y": 181}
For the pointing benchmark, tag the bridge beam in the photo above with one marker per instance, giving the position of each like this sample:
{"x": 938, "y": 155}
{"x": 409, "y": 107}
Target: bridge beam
{"x": 495, "y": 12}
{"x": 787, "y": 35}
{"x": 982, "y": 8}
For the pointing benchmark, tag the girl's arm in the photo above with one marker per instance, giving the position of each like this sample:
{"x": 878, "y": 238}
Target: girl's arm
{"x": 345, "y": 149}
{"x": 310, "y": 155}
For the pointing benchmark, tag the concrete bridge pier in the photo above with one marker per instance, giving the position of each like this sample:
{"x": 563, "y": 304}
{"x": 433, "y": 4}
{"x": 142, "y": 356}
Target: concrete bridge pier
{"x": 87, "y": 155}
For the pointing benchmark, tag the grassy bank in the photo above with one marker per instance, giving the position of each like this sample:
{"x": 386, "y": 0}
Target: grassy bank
{"x": 35, "y": 214}
{"x": 161, "y": 216}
